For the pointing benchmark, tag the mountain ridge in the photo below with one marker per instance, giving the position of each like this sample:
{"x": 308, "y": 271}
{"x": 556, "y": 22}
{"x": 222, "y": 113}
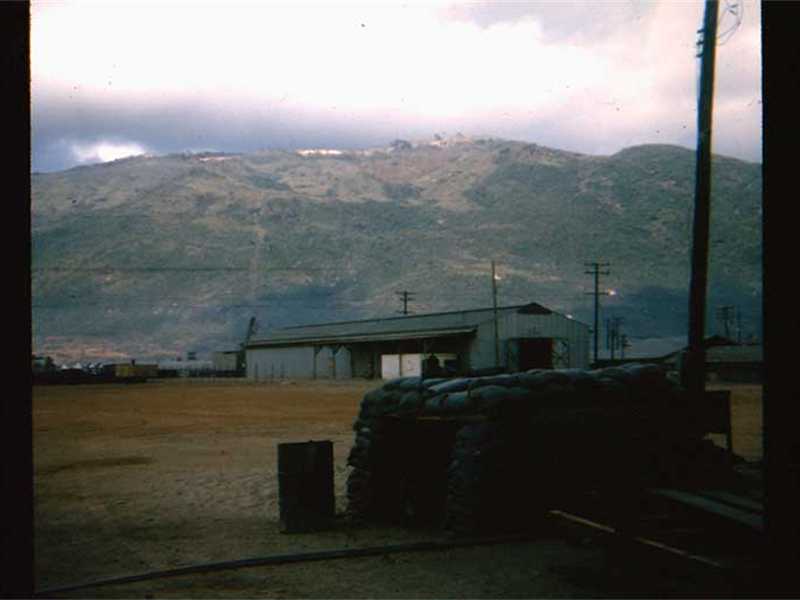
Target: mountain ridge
{"x": 294, "y": 238}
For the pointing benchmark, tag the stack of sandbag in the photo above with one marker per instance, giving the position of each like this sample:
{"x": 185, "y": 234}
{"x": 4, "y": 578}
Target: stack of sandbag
{"x": 543, "y": 433}
{"x": 471, "y": 477}
{"x": 373, "y": 488}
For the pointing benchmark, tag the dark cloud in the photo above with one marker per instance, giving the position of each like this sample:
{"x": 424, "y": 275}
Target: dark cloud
{"x": 600, "y": 77}
{"x": 59, "y": 126}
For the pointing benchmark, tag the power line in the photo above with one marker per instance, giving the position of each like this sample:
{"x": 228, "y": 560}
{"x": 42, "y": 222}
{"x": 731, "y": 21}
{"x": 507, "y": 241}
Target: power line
{"x": 166, "y": 303}
{"x": 175, "y": 269}
{"x": 737, "y": 10}
{"x": 171, "y": 305}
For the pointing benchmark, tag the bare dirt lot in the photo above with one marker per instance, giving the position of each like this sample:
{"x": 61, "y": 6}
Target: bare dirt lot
{"x": 137, "y": 478}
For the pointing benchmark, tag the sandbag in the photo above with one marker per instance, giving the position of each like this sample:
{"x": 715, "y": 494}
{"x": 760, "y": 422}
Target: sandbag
{"x": 539, "y": 378}
{"x": 504, "y": 380}
{"x": 578, "y": 377}
{"x": 489, "y": 397}
{"x": 428, "y": 383}
{"x": 615, "y": 373}
{"x": 457, "y": 402}
{"x": 404, "y": 383}
{"x": 410, "y": 402}
{"x": 451, "y": 385}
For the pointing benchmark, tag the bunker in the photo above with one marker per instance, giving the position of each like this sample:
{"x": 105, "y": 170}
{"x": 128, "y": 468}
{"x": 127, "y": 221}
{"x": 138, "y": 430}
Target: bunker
{"x": 496, "y": 453}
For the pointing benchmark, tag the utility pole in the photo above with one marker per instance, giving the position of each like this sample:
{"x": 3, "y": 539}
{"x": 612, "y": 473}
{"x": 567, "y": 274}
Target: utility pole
{"x": 624, "y": 343}
{"x": 613, "y": 338}
{"x": 738, "y": 325}
{"x": 694, "y": 367}
{"x": 596, "y": 272}
{"x": 496, "y": 324}
{"x": 405, "y": 295}
{"x": 725, "y": 314}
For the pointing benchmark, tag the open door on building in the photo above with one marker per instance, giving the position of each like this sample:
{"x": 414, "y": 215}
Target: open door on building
{"x": 534, "y": 353}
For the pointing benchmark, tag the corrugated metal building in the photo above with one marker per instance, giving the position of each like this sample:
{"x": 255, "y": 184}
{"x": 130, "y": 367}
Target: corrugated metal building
{"x": 529, "y": 336}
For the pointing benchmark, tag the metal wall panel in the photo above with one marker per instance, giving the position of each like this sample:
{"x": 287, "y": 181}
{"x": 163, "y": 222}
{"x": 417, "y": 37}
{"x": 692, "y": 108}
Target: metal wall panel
{"x": 343, "y": 364}
{"x": 324, "y": 368}
{"x": 298, "y": 362}
{"x": 266, "y": 364}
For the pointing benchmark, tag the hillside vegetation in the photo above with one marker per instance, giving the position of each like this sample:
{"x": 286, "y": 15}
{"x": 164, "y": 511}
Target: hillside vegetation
{"x": 154, "y": 256}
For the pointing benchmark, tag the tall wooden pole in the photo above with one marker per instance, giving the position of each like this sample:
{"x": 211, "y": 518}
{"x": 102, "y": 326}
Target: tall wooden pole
{"x": 694, "y": 361}
{"x": 596, "y": 272}
{"x": 496, "y": 325}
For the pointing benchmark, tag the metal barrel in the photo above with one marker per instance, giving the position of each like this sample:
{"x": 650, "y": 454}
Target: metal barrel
{"x": 305, "y": 486}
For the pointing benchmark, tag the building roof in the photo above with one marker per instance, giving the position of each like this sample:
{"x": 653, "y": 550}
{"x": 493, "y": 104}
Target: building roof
{"x": 732, "y": 353}
{"x": 735, "y": 354}
{"x": 365, "y": 337}
{"x": 718, "y": 340}
{"x": 444, "y": 324}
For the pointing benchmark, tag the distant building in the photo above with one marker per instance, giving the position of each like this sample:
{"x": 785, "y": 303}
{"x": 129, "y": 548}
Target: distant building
{"x": 185, "y": 368}
{"x": 728, "y": 361}
{"x": 226, "y": 362}
{"x": 133, "y": 370}
{"x": 529, "y": 336}
{"x": 740, "y": 363}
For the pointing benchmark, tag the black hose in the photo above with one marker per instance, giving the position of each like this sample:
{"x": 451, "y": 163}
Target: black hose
{"x": 290, "y": 558}
{"x": 279, "y": 559}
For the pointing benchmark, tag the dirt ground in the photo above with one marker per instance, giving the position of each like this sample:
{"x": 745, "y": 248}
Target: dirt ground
{"x": 746, "y": 420}
{"x": 145, "y": 477}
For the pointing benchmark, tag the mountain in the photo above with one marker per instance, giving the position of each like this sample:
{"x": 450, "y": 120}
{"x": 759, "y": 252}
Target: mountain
{"x": 152, "y": 256}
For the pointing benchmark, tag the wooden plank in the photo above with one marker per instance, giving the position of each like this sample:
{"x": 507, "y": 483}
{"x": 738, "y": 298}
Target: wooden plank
{"x": 750, "y": 519}
{"x": 463, "y": 418}
{"x": 735, "y": 500}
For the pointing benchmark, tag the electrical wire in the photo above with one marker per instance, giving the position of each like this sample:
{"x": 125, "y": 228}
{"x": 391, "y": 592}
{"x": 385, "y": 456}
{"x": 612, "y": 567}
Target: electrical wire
{"x": 176, "y": 269}
{"x": 735, "y": 8}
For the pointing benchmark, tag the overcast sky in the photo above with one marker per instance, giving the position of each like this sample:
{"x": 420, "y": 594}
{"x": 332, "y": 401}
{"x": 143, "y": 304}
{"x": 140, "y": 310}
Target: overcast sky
{"x": 113, "y": 78}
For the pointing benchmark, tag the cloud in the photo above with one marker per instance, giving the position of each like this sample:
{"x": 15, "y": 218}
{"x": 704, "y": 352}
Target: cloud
{"x": 558, "y": 20}
{"x": 582, "y": 76}
{"x": 103, "y": 151}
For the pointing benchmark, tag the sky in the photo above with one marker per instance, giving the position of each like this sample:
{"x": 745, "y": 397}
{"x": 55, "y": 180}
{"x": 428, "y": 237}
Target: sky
{"x": 112, "y": 79}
